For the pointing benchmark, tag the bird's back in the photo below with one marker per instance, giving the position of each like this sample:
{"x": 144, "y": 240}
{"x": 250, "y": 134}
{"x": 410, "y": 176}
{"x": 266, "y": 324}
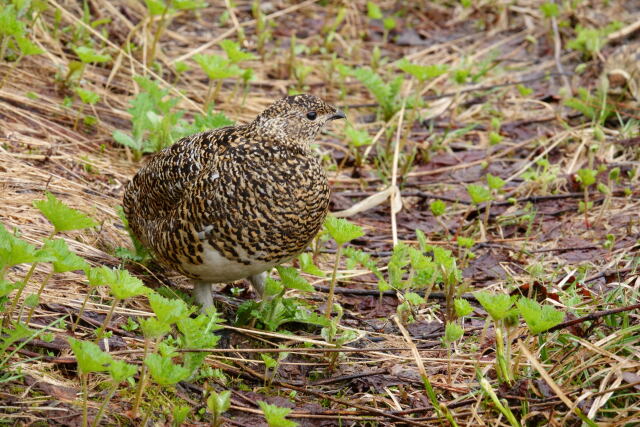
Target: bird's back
{"x": 225, "y": 204}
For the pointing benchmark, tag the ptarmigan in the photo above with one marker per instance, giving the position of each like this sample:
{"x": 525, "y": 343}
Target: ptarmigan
{"x": 232, "y": 203}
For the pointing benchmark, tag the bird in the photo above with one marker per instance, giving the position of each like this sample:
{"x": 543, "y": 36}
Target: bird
{"x": 621, "y": 75}
{"x": 232, "y": 203}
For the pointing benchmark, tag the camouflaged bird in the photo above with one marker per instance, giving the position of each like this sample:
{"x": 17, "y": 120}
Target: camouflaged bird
{"x": 232, "y": 203}
{"x": 621, "y": 75}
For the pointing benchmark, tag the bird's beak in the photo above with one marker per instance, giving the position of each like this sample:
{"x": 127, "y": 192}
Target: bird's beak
{"x": 339, "y": 114}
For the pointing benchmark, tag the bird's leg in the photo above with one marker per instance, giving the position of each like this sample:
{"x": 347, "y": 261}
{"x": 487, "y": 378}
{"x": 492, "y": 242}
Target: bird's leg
{"x": 258, "y": 283}
{"x": 202, "y": 294}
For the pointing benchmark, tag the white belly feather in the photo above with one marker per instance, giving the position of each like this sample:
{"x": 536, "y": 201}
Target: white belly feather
{"x": 215, "y": 268}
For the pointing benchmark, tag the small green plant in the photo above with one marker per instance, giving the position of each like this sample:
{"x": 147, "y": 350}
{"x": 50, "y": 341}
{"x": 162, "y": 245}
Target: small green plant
{"x": 357, "y": 138}
{"x": 586, "y": 178}
{"x": 342, "y": 231}
{"x": 218, "y": 403}
{"x": 15, "y": 38}
{"x": 275, "y": 415}
{"x": 165, "y": 9}
{"x": 156, "y": 124}
{"x": 387, "y": 94}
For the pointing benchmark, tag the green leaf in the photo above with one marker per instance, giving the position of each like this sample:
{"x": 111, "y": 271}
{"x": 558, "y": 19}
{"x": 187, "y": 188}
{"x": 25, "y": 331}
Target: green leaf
{"x": 87, "y": 96}
{"x": 373, "y": 10}
{"x": 7, "y": 287}
{"x": 269, "y": 362}
{"x": 587, "y": 177}
{"x": 549, "y": 9}
{"x": 119, "y": 370}
{"x": 89, "y": 356}
{"x": 62, "y": 216}
{"x": 342, "y": 230}
{"x": 126, "y": 140}
{"x": 478, "y": 193}
{"x": 14, "y": 251}
{"x": 164, "y": 371}
{"x": 462, "y": 307}
{"x": 422, "y": 72}
{"x": 438, "y": 207}
{"x": 357, "y": 138}
{"x": 216, "y": 67}
{"x": 465, "y": 242}
{"x": 497, "y": 305}
{"x": 10, "y": 336}
{"x": 275, "y": 415}
{"x": 539, "y": 318}
{"x": 495, "y": 182}
{"x": 65, "y": 260}
{"x": 123, "y": 285}
{"x": 88, "y": 55}
{"x": 414, "y": 298}
{"x": 27, "y": 47}
{"x": 218, "y": 403}
{"x": 389, "y": 23}
{"x": 154, "y": 328}
{"x": 364, "y": 259}
{"x": 307, "y": 265}
{"x": 452, "y": 332}
{"x": 291, "y": 279}
{"x": 234, "y": 53}
{"x": 169, "y": 311}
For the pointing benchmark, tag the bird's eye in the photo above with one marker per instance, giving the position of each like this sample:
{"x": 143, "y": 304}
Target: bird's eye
{"x": 311, "y": 115}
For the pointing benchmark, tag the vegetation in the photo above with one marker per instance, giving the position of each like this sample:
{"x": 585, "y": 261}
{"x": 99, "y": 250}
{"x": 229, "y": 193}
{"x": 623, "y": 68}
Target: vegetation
{"x": 481, "y": 261}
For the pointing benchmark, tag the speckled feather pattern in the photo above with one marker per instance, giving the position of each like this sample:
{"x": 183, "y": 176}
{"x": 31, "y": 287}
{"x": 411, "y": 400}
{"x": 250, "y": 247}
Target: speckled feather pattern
{"x": 254, "y": 193}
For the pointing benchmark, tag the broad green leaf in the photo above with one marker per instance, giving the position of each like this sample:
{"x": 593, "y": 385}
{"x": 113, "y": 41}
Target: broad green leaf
{"x": 153, "y": 328}
{"x": 27, "y": 47}
{"x": 373, "y": 10}
{"x": 452, "y": 332}
{"x": 478, "y": 193}
{"x": 437, "y": 207}
{"x": 169, "y": 311}
{"x": 422, "y": 72}
{"x": 164, "y": 371}
{"x": 218, "y": 403}
{"x": 462, "y": 307}
{"x": 89, "y": 55}
{"x": 307, "y": 265}
{"x": 414, "y": 299}
{"x": 234, "y": 53}
{"x": 495, "y": 182}
{"x": 119, "y": 370}
{"x": 89, "y": 356}
{"x": 342, "y": 230}
{"x": 87, "y": 96}
{"x": 275, "y": 415}
{"x": 62, "y": 216}
{"x": 7, "y": 287}
{"x": 124, "y": 285}
{"x": 587, "y": 177}
{"x": 497, "y": 305}
{"x": 14, "y": 251}
{"x": 357, "y": 138}
{"x": 292, "y": 280}
{"x": 65, "y": 260}
{"x": 539, "y": 318}
{"x": 217, "y": 67}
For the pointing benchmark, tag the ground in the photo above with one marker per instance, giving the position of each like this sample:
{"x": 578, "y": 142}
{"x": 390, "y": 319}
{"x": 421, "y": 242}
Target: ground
{"x": 441, "y": 98}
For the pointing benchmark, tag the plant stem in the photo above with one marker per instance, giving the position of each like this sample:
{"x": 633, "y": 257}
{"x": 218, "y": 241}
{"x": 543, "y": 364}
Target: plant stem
{"x": 85, "y": 394}
{"x": 33, "y": 309}
{"x": 141, "y": 381}
{"x": 333, "y": 283}
{"x": 84, "y": 303}
{"x": 14, "y": 303}
{"x": 158, "y": 33}
{"x": 100, "y": 331}
{"x": 104, "y": 404}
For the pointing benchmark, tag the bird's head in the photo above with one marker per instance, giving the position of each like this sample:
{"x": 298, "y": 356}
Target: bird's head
{"x": 296, "y": 120}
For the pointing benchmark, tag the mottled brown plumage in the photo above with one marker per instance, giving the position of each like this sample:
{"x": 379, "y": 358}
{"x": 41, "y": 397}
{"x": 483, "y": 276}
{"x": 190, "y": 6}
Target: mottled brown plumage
{"x": 233, "y": 202}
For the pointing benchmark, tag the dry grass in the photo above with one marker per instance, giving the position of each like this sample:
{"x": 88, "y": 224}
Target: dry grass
{"x": 594, "y": 366}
